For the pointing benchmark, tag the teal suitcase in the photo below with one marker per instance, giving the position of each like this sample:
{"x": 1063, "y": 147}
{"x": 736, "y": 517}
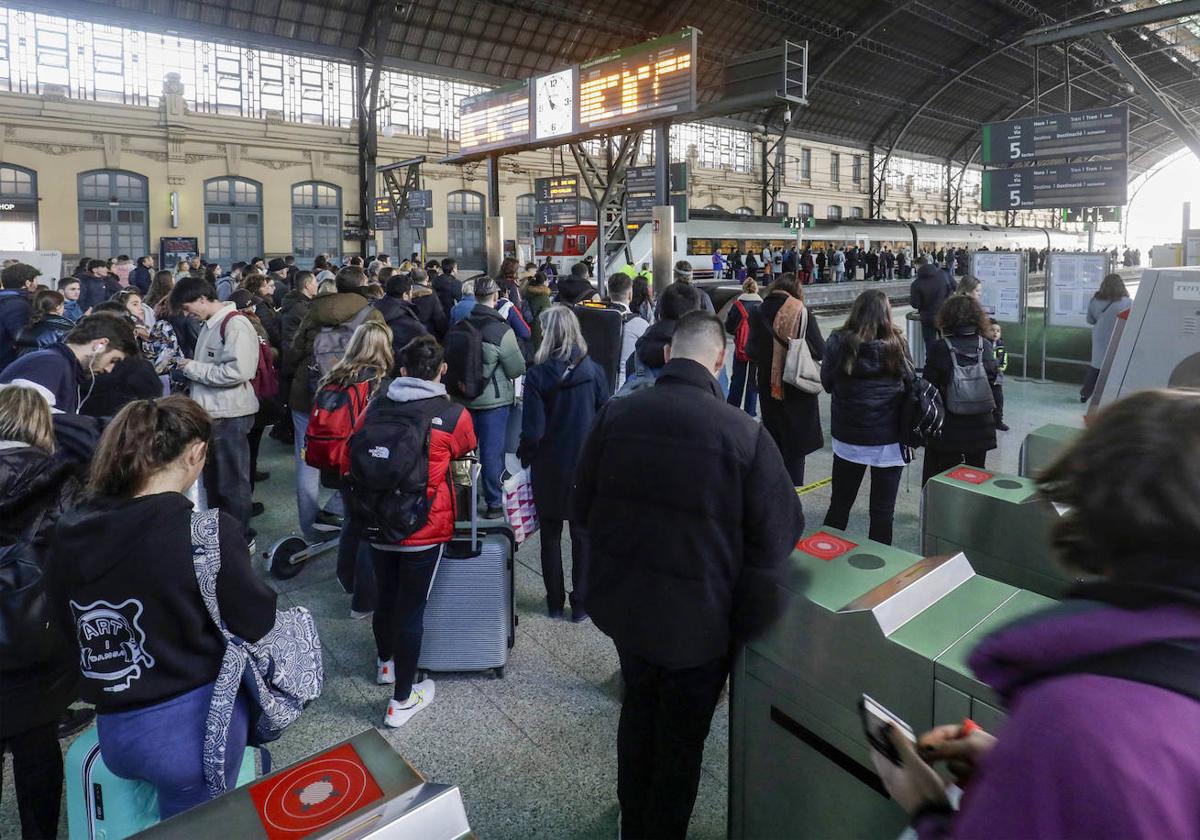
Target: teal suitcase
{"x": 102, "y": 806}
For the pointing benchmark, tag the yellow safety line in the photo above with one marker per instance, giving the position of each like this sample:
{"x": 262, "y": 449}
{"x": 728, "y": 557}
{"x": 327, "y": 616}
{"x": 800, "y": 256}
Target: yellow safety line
{"x": 808, "y": 488}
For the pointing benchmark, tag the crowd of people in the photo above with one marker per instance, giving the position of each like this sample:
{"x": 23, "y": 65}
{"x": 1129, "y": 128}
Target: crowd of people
{"x": 148, "y": 400}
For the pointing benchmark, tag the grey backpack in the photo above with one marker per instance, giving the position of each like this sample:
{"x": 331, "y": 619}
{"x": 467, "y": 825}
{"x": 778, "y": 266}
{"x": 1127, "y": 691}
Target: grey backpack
{"x": 969, "y": 391}
{"x": 330, "y": 343}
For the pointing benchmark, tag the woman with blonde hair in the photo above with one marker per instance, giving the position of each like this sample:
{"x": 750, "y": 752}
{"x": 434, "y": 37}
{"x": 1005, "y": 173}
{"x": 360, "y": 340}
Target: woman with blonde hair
{"x": 358, "y": 378}
{"x": 38, "y": 676}
{"x": 563, "y": 392}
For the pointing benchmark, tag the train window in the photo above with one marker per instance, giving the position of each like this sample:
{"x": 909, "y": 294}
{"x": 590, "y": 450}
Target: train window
{"x": 728, "y": 245}
{"x": 700, "y": 247}
{"x": 755, "y": 246}
{"x": 782, "y": 244}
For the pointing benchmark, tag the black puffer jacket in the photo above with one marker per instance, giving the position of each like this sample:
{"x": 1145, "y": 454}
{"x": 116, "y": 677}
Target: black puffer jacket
{"x": 402, "y": 318}
{"x": 865, "y": 409}
{"x": 961, "y": 432}
{"x": 690, "y": 518}
{"x": 35, "y": 489}
{"x": 928, "y": 292}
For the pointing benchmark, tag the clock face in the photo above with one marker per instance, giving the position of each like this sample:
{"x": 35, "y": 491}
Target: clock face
{"x": 554, "y": 104}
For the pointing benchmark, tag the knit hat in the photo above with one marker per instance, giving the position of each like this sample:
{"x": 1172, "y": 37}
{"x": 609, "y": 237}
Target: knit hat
{"x": 277, "y": 264}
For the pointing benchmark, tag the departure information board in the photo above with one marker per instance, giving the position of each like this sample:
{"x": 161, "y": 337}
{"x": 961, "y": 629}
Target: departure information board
{"x": 557, "y": 200}
{"x": 1101, "y": 131}
{"x": 1099, "y": 183}
{"x": 625, "y": 89}
{"x": 495, "y": 119}
{"x": 652, "y": 80}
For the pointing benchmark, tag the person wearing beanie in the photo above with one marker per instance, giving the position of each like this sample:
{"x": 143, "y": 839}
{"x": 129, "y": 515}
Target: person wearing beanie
{"x": 277, "y": 270}
{"x": 683, "y": 274}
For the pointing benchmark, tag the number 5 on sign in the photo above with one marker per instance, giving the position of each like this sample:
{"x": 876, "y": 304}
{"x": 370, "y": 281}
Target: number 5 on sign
{"x": 1014, "y": 149}
{"x": 1014, "y": 198}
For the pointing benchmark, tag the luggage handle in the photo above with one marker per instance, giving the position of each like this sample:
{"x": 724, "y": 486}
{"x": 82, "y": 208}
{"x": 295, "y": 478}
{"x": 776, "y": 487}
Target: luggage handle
{"x": 476, "y": 469}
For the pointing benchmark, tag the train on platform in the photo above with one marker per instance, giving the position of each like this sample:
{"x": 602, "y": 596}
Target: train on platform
{"x": 704, "y": 231}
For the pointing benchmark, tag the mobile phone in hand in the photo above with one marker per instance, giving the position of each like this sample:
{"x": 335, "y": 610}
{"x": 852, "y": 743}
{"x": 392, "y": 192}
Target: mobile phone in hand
{"x": 876, "y": 720}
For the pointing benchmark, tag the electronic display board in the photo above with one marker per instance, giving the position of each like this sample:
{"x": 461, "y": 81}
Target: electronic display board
{"x": 557, "y": 200}
{"x": 648, "y": 81}
{"x": 1100, "y": 131}
{"x": 1095, "y": 184}
{"x": 495, "y": 119}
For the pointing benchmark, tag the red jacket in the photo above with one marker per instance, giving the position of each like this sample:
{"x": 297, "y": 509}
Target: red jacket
{"x": 453, "y": 436}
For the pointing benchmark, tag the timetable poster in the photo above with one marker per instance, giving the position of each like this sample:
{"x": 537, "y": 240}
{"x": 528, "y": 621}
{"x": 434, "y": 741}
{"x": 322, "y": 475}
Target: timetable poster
{"x": 1071, "y": 282}
{"x": 1001, "y": 275}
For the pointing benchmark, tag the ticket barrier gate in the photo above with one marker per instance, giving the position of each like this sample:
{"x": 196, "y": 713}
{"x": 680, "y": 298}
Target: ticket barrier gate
{"x": 357, "y": 789}
{"x": 999, "y": 522}
{"x": 861, "y": 617}
{"x": 1043, "y": 445}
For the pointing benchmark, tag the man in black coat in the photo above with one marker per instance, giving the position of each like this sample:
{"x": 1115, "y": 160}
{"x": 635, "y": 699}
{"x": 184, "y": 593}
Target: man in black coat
{"x": 397, "y": 309}
{"x": 685, "y": 562}
{"x": 447, "y": 285}
{"x": 927, "y": 294}
{"x": 428, "y": 306}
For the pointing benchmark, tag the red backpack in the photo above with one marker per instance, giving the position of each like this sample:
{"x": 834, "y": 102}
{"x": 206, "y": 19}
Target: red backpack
{"x": 266, "y": 381}
{"x": 337, "y": 413}
{"x": 742, "y": 335}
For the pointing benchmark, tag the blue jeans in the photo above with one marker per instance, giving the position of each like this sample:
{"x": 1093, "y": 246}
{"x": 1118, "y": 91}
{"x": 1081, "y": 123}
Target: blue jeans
{"x": 744, "y": 380}
{"x": 308, "y": 484}
{"x": 491, "y": 425}
{"x": 163, "y": 744}
{"x": 227, "y": 468}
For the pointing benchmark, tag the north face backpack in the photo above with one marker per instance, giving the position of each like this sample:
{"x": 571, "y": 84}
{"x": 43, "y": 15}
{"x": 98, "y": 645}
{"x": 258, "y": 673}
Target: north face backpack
{"x": 266, "y": 381}
{"x": 388, "y": 486}
{"x": 921, "y": 413}
{"x": 337, "y": 413}
{"x": 969, "y": 391}
{"x": 464, "y": 360}
{"x": 331, "y": 342}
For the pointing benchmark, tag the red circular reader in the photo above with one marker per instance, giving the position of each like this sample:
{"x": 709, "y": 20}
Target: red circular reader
{"x": 970, "y": 475}
{"x": 314, "y": 794}
{"x": 825, "y": 546}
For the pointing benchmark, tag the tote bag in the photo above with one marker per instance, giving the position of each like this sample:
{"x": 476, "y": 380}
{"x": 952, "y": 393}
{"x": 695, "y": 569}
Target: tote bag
{"x": 800, "y": 369}
{"x": 518, "y": 505}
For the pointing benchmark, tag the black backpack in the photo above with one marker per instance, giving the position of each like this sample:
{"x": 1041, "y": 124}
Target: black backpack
{"x": 388, "y": 485}
{"x": 26, "y": 637}
{"x": 922, "y": 413}
{"x": 464, "y": 360}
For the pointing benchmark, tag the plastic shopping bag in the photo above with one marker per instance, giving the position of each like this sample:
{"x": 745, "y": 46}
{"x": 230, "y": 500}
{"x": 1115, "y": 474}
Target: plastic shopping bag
{"x": 518, "y": 504}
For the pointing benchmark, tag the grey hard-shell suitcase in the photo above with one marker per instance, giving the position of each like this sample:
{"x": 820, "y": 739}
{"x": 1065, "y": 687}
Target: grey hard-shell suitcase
{"x": 470, "y": 617}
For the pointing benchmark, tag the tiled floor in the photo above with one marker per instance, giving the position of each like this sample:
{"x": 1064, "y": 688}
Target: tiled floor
{"x": 534, "y": 752}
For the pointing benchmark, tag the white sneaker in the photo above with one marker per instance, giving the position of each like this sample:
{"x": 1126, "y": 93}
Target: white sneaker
{"x": 385, "y": 672}
{"x": 398, "y": 713}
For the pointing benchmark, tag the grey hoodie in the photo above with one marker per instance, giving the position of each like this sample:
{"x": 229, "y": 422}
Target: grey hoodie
{"x": 410, "y": 389}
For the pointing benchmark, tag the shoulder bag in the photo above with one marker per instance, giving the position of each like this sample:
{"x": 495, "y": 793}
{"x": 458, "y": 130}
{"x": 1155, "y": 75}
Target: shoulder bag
{"x": 800, "y": 369}
{"x": 282, "y": 671}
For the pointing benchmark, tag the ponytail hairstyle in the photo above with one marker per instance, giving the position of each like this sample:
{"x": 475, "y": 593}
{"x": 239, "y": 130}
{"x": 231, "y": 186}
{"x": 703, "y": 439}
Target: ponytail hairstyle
{"x": 45, "y": 301}
{"x": 145, "y": 437}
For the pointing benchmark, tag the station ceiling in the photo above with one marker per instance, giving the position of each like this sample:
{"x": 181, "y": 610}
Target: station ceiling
{"x": 873, "y": 64}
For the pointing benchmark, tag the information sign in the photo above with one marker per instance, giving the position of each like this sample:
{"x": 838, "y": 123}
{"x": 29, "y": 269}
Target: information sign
{"x": 495, "y": 119}
{"x": 1101, "y": 131}
{"x": 173, "y": 249}
{"x": 1097, "y": 183}
{"x": 420, "y": 199}
{"x": 49, "y": 263}
{"x": 384, "y": 218}
{"x": 1002, "y": 284}
{"x": 1071, "y": 282}
{"x": 643, "y": 194}
{"x": 557, "y": 200}
{"x": 647, "y": 81}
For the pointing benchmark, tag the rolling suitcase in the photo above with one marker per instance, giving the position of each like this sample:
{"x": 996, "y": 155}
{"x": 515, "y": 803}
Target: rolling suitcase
{"x": 470, "y": 617}
{"x": 103, "y": 806}
{"x": 602, "y": 327}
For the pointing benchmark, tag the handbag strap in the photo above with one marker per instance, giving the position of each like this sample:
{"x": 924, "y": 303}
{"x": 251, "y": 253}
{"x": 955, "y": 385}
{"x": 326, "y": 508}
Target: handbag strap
{"x": 206, "y": 561}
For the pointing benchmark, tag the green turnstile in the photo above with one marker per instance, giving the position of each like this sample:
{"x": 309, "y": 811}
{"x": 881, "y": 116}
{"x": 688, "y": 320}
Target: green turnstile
{"x": 861, "y": 617}
{"x": 1043, "y": 445}
{"x": 999, "y": 522}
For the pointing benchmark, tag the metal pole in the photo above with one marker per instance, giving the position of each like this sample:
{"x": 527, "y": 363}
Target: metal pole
{"x": 1067, "y": 72}
{"x": 494, "y": 233}
{"x": 663, "y": 219}
{"x": 1037, "y": 81}
{"x": 765, "y": 177}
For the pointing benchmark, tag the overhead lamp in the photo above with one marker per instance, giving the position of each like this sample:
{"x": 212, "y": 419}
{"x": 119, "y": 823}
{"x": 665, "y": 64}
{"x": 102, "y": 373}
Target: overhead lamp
{"x": 1175, "y": 58}
{"x": 1143, "y": 36}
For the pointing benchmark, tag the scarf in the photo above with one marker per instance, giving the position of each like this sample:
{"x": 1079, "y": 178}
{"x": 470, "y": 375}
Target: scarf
{"x": 785, "y": 327}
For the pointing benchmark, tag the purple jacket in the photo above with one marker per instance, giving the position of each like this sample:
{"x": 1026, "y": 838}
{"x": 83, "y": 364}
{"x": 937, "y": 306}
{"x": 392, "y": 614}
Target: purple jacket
{"x": 1082, "y": 755}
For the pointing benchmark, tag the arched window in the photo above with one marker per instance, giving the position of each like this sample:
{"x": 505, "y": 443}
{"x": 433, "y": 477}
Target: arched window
{"x": 780, "y": 208}
{"x": 18, "y": 209}
{"x": 744, "y": 211}
{"x": 464, "y": 228}
{"x": 113, "y": 210}
{"x": 232, "y": 220}
{"x": 316, "y": 220}
{"x": 856, "y": 212}
{"x": 716, "y": 207}
{"x": 834, "y": 212}
{"x": 805, "y": 209}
